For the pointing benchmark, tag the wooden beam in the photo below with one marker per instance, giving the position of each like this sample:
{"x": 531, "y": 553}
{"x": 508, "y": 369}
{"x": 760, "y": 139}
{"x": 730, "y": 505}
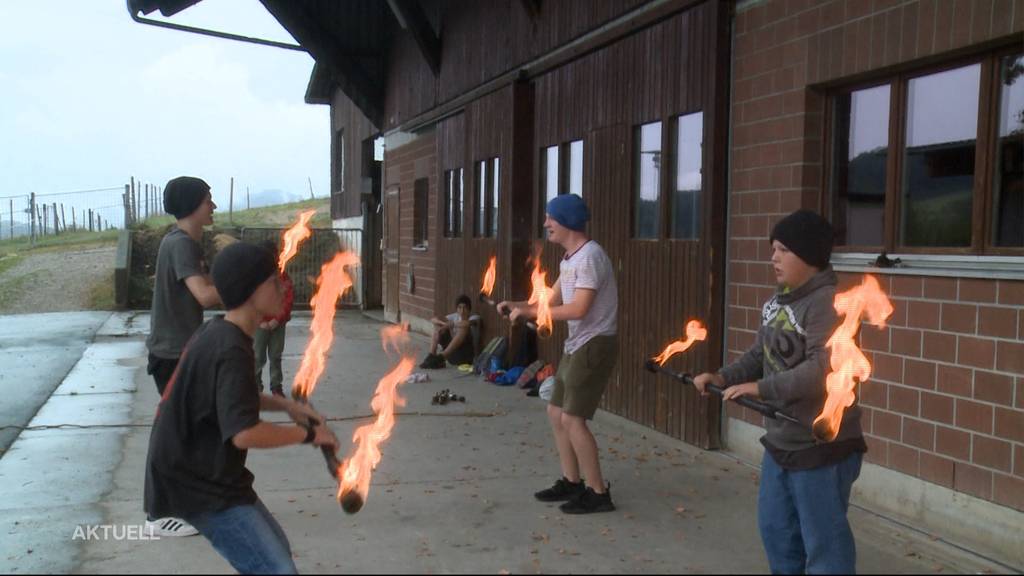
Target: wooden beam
{"x": 410, "y": 16}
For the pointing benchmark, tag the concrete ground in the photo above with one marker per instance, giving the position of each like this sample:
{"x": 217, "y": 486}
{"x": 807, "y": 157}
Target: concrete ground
{"x": 453, "y": 492}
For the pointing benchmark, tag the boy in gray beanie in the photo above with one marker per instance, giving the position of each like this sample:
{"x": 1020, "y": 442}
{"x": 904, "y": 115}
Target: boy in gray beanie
{"x": 181, "y": 290}
{"x": 805, "y": 483}
{"x": 209, "y": 417}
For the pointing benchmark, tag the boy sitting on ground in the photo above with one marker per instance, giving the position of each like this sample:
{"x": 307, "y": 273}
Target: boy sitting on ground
{"x": 455, "y": 335}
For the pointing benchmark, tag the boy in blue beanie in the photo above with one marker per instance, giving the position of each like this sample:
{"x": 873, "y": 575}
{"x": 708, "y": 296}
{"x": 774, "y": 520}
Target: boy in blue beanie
{"x": 805, "y": 484}
{"x": 586, "y": 296}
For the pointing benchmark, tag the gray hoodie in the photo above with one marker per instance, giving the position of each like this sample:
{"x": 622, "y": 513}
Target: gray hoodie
{"x": 789, "y": 361}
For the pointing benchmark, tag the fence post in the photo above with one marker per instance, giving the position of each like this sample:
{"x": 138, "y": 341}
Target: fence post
{"x": 56, "y": 221}
{"x": 45, "y": 220}
{"x": 12, "y": 218}
{"x": 63, "y": 218}
{"x": 32, "y": 218}
{"x": 127, "y": 213}
{"x": 74, "y": 224}
{"x": 90, "y": 220}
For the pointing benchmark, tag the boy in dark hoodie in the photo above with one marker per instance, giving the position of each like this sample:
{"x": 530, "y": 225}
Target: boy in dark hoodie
{"x": 805, "y": 483}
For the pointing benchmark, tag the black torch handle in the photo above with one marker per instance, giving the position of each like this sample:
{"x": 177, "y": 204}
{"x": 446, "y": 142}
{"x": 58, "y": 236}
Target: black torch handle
{"x": 754, "y": 405}
{"x": 489, "y": 302}
{"x": 329, "y": 456}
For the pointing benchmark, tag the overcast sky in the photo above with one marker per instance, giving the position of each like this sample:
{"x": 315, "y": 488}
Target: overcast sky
{"x": 89, "y": 98}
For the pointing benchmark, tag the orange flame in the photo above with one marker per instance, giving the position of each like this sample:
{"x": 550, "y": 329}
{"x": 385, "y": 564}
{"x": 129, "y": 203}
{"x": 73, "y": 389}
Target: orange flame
{"x": 849, "y": 365}
{"x": 331, "y": 285}
{"x": 695, "y": 331}
{"x": 541, "y": 296}
{"x": 295, "y": 236}
{"x": 489, "y": 276}
{"x": 356, "y": 470}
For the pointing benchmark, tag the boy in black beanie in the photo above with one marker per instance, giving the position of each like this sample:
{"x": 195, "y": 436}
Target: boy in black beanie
{"x": 805, "y": 484}
{"x": 182, "y": 289}
{"x": 208, "y": 418}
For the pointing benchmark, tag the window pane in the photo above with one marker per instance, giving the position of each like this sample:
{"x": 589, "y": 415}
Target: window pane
{"x": 576, "y": 167}
{"x": 1008, "y": 182}
{"x": 686, "y": 205}
{"x": 481, "y": 199}
{"x": 938, "y": 170}
{"x": 647, "y": 160}
{"x": 860, "y": 155}
{"x": 449, "y": 205}
{"x": 494, "y": 198}
{"x": 551, "y": 174}
{"x": 458, "y": 203}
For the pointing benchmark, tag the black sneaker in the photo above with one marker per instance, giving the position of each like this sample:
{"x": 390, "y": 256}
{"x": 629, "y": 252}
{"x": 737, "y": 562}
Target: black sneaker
{"x": 430, "y": 362}
{"x": 589, "y": 502}
{"x": 562, "y": 490}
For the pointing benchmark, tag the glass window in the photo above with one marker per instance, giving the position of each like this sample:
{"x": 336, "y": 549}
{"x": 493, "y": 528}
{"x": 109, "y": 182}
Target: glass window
{"x": 686, "y": 198}
{"x": 938, "y": 161}
{"x": 459, "y": 204}
{"x": 421, "y": 191}
{"x": 859, "y": 164}
{"x": 647, "y": 160}
{"x": 549, "y": 183}
{"x": 1008, "y": 180}
{"x": 480, "y": 230}
{"x": 576, "y": 167}
{"x": 495, "y": 173}
{"x": 453, "y": 186}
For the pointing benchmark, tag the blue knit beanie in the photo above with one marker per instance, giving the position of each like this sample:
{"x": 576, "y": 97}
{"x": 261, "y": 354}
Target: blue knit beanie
{"x": 570, "y": 211}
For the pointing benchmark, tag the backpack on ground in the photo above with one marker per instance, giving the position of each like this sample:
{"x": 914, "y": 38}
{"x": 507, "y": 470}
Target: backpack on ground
{"x": 496, "y": 348}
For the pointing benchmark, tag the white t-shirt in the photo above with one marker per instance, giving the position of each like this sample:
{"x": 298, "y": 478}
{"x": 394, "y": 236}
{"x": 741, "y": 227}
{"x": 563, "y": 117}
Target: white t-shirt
{"x": 454, "y": 318}
{"x": 590, "y": 268}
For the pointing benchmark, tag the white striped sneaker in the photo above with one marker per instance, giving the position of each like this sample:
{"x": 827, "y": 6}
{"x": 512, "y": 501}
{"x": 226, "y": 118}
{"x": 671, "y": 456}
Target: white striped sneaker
{"x": 170, "y": 527}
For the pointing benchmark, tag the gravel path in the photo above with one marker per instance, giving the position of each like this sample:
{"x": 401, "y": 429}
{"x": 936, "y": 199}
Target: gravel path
{"x": 55, "y": 281}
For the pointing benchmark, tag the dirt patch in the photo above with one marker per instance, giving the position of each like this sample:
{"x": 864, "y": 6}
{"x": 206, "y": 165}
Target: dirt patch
{"x": 55, "y": 281}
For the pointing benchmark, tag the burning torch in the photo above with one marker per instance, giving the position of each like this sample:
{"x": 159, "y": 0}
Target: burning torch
{"x": 488, "y": 287}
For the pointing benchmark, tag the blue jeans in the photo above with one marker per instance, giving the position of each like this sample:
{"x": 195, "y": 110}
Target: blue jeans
{"x": 802, "y": 517}
{"x": 249, "y": 538}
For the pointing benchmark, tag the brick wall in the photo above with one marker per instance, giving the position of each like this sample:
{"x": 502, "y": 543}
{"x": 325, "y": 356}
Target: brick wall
{"x": 404, "y": 165}
{"x": 946, "y": 402}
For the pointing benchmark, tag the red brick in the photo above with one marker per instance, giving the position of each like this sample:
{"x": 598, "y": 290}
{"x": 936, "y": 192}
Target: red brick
{"x": 919, "y": 374}
{"x": 906, "y": 342}
{"x": 991, "y": 453}
{"x": 938, "y": 408}
{"x": 953, "y": 442}
{"x": 936, "y": 469}
{"x": 874, "y": 393}
{"x": 1010, "y": 424}
{"x": 907, "y": 286}
{"x": 962, "y": 318}
{"x": 904, "y": 400}
{"x": 972, "y": 480}
{"x": 878, "y": 450}
{"x": 975, "y": 290}
{"x": 923, "y": 314}
{"x": 1010, "y": 356}
{"x": 939, "y": 346}
{"x": 940, "y": 288}
{"x": 955, "y": 380}
{"x": 977, "y": 352}
{"x": 904, "y": 459}
{"x": 899, "y": 314}
{"x": 993, "y": 387}
{"x": 919, "y": 434}
{"x": 997, "y": 322}
{"x": 1018, "y": 460}
{"x": 887, "y": 367}
{"x": 1019, "y": 395}
{"x": 1011, "y": 292}
{"x": 877, "y": 340}
{"x": 974, "y": 416}
{"x": 886, "y": 425}
{"x": 1008, "y": 491}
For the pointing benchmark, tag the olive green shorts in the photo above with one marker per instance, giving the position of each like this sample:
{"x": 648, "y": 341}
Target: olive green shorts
{"x": 583, "y": 375}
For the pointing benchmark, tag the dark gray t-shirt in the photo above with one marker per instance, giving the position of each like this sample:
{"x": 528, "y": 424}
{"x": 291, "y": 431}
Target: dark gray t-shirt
{"x": 176, "y": 314}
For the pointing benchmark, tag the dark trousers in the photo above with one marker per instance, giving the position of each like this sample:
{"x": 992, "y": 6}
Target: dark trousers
{"x": 161, "y": 369}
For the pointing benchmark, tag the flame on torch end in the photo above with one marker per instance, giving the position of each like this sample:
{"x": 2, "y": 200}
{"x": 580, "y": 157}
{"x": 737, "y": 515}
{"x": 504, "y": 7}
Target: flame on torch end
{"x": 488, "y": 285}
{"x": 541, "y": 296}
{"x": 331, "y": 285}
{"x": 355, "y": 472}
{"x": 293, "y": 237}
{"x": 695, "y": 331}
{"x": 849, "y": 365}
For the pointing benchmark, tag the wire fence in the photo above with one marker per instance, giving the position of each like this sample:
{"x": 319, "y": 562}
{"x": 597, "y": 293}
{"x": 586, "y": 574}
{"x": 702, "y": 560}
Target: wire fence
{"x": 36, "y": 215}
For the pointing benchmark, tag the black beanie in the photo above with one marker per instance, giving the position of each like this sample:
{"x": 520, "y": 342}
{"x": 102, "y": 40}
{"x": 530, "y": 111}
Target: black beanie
{"x": 807, "y": 235}
{"x": 183, "y": 195}
{"x": 239, "y": 270}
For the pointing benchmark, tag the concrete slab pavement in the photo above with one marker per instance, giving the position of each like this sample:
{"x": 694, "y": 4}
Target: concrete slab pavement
{"x": 452, "y": 494}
